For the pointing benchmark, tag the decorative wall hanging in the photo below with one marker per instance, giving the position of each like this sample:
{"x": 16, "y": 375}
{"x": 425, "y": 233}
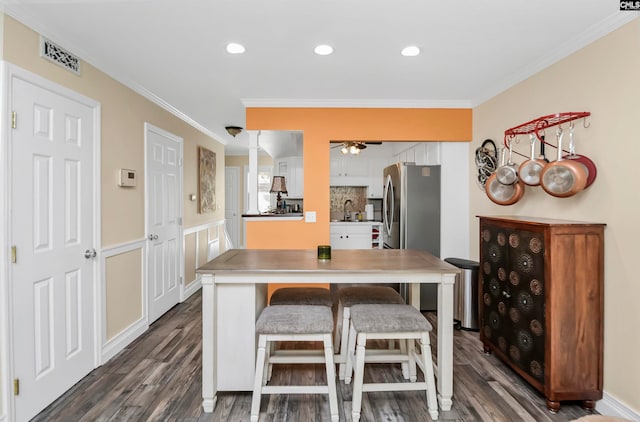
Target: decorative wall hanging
{"x": 207, "y": 180}
{"x": 486, "y": 161}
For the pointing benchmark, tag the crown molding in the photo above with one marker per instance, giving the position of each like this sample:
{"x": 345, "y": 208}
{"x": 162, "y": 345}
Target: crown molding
{"x": 352, "y": 103}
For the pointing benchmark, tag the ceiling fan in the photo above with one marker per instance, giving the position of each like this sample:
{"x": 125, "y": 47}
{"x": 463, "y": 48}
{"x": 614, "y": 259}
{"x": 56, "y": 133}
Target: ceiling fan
{"x": 354, "y": 147}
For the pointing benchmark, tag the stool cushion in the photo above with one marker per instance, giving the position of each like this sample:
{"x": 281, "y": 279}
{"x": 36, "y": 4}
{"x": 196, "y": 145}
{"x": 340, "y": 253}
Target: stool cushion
{"x": 301, "y": 296}
{"x": 350, "y": 296}
{"x": 295, "y": 319}
{"x": 386, "y": 318}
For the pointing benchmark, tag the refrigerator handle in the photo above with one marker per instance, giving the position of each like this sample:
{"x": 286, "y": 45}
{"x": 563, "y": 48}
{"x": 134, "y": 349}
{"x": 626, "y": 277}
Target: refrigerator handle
{"x": 387, "y": 209}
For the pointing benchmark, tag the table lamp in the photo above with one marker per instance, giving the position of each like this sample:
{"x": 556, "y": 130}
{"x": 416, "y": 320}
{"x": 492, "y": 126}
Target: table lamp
{"x": 278, "y": 186}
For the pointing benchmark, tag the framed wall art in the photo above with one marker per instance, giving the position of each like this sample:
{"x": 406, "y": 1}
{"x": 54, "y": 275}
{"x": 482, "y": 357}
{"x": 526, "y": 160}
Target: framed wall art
{"x": 206, "y": 180}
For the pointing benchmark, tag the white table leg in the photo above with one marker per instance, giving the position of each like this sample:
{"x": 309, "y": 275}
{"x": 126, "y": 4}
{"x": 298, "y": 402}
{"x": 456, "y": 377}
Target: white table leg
{"x": 445, "y": 341}
{"x": 209, "y": 381}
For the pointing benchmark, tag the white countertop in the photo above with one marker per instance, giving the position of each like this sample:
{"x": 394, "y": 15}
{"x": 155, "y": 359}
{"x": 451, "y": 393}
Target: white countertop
{"x": 357, "y": 222}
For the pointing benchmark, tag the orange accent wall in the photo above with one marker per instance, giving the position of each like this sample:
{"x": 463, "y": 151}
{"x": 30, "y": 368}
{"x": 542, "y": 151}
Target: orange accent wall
{"x": 321, "y": 125}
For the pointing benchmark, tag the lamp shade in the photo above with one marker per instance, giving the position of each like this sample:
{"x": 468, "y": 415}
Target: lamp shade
{"x": 278, "y": 185}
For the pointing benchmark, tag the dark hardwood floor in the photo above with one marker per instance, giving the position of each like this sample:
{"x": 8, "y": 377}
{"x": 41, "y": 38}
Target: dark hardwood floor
{"x": 158, "y": 378}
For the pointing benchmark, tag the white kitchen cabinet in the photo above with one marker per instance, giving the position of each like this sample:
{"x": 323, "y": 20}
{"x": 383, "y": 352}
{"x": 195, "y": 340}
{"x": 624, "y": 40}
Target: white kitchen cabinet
{"x": 348, "y": 170}
{"x": 349, "y": 166}
{"x": 422, "y": 153}
{"x": 293, "y": 172}
{"x": 376, "y": 179}
{"x": 363, "y": 235}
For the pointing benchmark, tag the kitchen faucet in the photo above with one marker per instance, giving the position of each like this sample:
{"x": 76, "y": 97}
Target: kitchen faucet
{"x": 346, "y": 216}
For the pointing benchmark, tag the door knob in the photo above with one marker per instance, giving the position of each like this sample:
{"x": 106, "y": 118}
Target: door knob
{"x": 153, "y": 237}
{"x": 90, "y": 253}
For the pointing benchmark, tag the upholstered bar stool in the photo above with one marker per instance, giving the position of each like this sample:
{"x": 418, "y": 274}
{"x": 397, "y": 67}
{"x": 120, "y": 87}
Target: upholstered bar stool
{"x": 348, "y": 297}
{"x": 385, "y": 322}
{"x": 294, "y": 323}
{"x": 297, "y": 296}
{"x": 301, "y": 296}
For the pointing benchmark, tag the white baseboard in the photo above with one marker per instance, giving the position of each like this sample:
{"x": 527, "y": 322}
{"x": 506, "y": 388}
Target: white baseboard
{"x": 122, "y": 340}
{"x": 191, "y": 288}
{"x": 611, "y": 406}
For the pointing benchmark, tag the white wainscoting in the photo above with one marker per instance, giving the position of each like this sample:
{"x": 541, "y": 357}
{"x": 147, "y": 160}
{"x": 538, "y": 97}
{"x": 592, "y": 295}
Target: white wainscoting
{"x": 121, "y": 340}
{"x": 215, "y": 245}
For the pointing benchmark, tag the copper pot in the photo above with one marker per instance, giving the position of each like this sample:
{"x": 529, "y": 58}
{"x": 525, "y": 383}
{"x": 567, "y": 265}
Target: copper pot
{"x": 584, "y": 160}
{"x": 563, "y": 178}
{"x": 507, "y": 174}
{"x": 529, "y": 171}
{"x": 502, "y": 194}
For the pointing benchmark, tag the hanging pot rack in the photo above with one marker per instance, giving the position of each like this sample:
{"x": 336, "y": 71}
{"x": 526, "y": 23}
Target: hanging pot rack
{"x": 538, "y": 126}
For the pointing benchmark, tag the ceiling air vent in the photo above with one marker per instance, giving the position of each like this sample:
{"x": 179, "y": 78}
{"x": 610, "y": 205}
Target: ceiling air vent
{"x": 58, "y": 55}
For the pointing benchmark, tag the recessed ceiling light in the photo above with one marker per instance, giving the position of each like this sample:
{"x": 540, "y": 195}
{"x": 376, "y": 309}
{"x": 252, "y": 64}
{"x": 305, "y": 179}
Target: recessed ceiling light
{"x": 235, "y": 48}
{"x": 323, "y": 50}
{"x": 410, "y": 51}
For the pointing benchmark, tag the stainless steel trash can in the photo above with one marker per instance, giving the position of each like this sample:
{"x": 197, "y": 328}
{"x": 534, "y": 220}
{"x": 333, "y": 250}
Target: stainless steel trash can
{"x": 465, "y": 294}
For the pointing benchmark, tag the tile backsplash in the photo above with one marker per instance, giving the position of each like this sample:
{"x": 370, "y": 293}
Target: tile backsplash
{"x": 358, "y": 196}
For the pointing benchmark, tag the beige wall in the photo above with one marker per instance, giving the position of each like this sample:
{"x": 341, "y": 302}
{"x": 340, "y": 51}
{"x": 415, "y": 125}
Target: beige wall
{"x": 123, "y": 114}
{"x": 603, "y": 79}
{"x": 190, "y": 257}
{"x": 123, "y": 290}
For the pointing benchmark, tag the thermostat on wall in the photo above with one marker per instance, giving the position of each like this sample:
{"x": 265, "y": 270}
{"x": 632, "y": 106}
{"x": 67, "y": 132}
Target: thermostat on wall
{"x": 127, "y": 178}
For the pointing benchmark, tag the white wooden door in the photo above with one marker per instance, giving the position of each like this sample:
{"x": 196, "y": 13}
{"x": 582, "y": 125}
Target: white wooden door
{"x": 232, "y": 204}
{"x": 52, "y": 225}
{"x": 164, "y": 219}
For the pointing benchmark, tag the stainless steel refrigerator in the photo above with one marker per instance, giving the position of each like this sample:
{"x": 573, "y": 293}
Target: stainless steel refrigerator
{"x": 411, "y": 215}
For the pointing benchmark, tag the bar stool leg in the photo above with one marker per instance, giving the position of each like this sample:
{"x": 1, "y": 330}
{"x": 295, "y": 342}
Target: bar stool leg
{"x": 427, "y": 361}
{"x": 346, "y": 315}
{"x": 358, "y": 378}
{"x": 411, "y": 346}
{"x": 406, "y": 373}
{"x": 258, "y": 380}
{"x": 350, "y": 355}
{"x": 331, "y": 378}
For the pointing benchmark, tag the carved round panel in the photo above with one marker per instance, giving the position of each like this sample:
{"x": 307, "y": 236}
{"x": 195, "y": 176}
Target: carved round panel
{"x": 525, "y": 263}
{"x": 487, "y": 299}
{"x": 486, "y": 235}
{"x": 502, "y": 343}
{"x": 502, "y": 274}
{"x": 514, "y": 240}
{"x": 525, "y": 302}
{"x": 514, "y": 278}
{"x": 502, "y": 239}
{"x": 502, "y": 308}
{"x": 486, "y": 267}
{"x": 535, "y": 245}
{"x": 536, "y": 327}
{"x": 525, "y": 341}
{"x": 536, "y": 287}
{"x": 514, "y": 314}
{"x": 514, "y": 352}
{"x": 536, "y": 368}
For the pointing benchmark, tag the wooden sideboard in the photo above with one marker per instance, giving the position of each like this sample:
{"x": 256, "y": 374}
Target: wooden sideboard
{"x": 542, "y": 301}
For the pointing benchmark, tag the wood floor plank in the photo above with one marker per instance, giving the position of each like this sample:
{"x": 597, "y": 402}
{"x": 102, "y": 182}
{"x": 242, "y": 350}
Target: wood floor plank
{"x": 158, "y": 377}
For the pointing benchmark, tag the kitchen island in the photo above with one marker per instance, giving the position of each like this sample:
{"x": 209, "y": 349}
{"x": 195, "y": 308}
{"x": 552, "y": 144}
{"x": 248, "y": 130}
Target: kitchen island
{"x": 234, "y": 292}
